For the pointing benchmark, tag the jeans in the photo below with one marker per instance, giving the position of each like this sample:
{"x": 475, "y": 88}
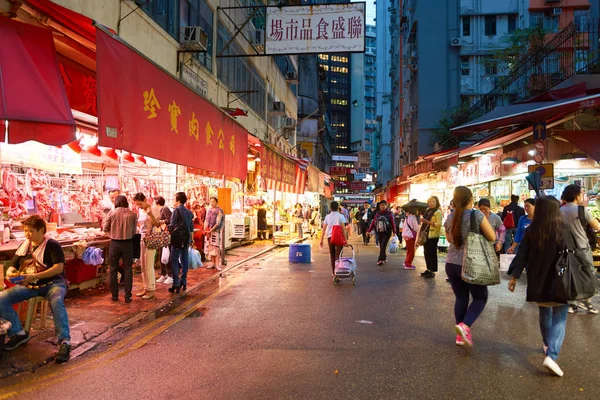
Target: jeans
{"x": 553, "y": 323}
{"x": 121, "y": 249}
{"x": 299, "y": 229}
{"x": 384, "y": 238}
{"x": 463, "y": 311}
{"x": 55, "y": 294}
{"x": 410, "y": 252}
{"x": 430, "y": 249}
{"x": 334, "y": 253}
{"x": 510, "y": 238}
{"x": 177, "y": 256}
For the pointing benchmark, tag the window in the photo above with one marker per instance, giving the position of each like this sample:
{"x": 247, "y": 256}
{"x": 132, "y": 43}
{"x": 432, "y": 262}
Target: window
{"x": 551, "y": 23}
{"x": 324, "y": 57}
{"x": 466, "y": 26}
{"x": 165, "y": 13}
{"x": 465, "y": 66}
{"x": 490, "y": 103}
{"x": 491, "y": 66}
{"x": 490, "y": 25}
{"x": 536, "y": 19}
{"x": 199, "y": 13}
{"x": 581, "y": 20}
{"x": 512, "y": 23}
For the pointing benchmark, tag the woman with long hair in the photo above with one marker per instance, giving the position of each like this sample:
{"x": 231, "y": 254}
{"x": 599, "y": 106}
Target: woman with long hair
{"x": 432, "y": 223}
{"x": 147, "y": 222}
{"x": 539, "y": 252}
{"x": 409, "y": 233}
{"x": 458, "y": 226}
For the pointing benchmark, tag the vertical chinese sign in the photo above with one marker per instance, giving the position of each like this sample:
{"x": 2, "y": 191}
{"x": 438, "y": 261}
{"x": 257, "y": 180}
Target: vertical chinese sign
{"x": 323, "y": 28}
{"x": 277, "y": 167}
{"x": 146, "y": 111}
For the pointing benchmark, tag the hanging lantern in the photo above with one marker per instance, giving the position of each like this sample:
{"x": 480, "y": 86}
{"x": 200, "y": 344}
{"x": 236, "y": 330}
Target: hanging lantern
{"x": 75, "y": 146}
{"x": 110, "y": 153}
{"x": 93, "y": 150}
{"x": 140, "y": 158}
{"x": 127, "y": 157}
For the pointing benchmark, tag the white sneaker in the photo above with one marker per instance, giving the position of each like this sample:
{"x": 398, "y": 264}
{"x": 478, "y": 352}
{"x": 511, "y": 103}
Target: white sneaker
{"x": 552, "y": 366}
{"x": 168, "y": 281}
{"x": 219, "y": 269}
{"x": 161, "y": 279}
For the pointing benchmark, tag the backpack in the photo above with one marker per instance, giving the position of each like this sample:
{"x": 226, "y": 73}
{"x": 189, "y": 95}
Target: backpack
{"x": 589, "y": 232}
{"x": 383, "y": 224}
{"x": 509, "y": 220}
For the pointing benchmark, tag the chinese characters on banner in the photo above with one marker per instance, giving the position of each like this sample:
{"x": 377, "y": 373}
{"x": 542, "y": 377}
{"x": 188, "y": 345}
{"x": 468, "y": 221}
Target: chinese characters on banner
{"x": 337, "y": 171}
{"x": 358, "y": 185}
{"x": 155, "y": 115}
{"x": 277, "y": 167}
{"x": 326, "y": 28}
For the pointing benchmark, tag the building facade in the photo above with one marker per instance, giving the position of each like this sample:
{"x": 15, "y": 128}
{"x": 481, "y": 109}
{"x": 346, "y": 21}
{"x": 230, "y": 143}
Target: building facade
{"x": 370, "y": 97}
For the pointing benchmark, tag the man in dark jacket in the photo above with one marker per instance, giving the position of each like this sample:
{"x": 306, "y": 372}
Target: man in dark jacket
{"x": 511, "y": 226}
{"x": 384, "y": 225}
{"x": 365, "y": 222}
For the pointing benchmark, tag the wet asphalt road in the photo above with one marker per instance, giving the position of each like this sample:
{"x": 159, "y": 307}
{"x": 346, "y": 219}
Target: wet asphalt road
{"x": 283, "y": 331}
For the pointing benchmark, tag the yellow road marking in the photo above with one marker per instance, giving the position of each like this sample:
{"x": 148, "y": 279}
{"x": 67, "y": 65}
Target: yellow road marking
{"x": 76, "y": 369}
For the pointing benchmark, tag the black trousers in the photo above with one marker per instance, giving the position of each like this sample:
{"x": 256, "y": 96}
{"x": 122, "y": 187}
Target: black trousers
{"x": 363, "y": 227}
{"x": 430, "y": 250}
{"x": 121, "y": 249}
{"x": 384, "y": 238}
{"x": 334, "y": 253}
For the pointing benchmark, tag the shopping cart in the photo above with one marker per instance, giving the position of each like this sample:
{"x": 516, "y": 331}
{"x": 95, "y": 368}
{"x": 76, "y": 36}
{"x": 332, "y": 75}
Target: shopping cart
{"x": 345, "y": 267}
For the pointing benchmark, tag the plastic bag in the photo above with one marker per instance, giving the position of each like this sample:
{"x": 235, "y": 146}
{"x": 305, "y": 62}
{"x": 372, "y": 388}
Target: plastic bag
{"x": 393, "y": 246}
{"x": 93, "y": 256}
{"x": 195, "y": 259}
{"x": 164, "y": 258}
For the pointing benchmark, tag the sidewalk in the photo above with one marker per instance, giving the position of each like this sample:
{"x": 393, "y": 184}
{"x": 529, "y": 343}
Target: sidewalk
{"x": 92, "y": 313}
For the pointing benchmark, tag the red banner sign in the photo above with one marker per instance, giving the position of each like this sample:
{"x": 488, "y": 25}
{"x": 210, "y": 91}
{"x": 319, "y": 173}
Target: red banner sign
{"x": 277, "y": 167}
{"x": 358, "y": 185}
{"x": 146, "y": 111}
{"x": 337, "y": 171}
{"x": 80, "y": 84}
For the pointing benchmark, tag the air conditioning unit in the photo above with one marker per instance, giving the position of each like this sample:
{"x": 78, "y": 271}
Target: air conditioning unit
{"x": 277, "y": 109}
{"x": 556, "y": 11}
{"x": 193, "y": 36}
{"x": 456, "y": 42}
{"x": 259, "y": 37}
{"x": 292, "y": 77}
{"x": 289, "y": 122}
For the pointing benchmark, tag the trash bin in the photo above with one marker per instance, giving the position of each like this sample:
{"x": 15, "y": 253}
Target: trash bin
{"x": 300, "y": 253}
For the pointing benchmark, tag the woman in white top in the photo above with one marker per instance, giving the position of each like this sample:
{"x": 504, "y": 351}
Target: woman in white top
{"x": 332, "y": 219}
{"x": 147, "y": 220}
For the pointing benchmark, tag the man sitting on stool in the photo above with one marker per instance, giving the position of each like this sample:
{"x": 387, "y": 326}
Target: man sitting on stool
{"x": 39, "y": 261}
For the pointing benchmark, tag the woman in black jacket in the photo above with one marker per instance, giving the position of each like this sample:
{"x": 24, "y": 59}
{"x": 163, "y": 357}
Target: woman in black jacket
{"x": 539, "y": 252}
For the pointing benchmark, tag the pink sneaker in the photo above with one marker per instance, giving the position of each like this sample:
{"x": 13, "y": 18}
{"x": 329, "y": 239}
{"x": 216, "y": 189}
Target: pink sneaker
{"x": 409, "y": 266}
{"x": 465, "y": 332}
{"x": 459, "y": 341}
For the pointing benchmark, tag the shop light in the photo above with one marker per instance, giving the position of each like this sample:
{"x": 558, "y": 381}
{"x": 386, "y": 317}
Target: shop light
{"x": 454, "y": 167}
{"x": 574, "y": 156}
{"x": 257, "y": 159}
{"x": 478, "y": 155}
{"x": 461, "y": 162}
{"x": 251, "y": 156}
{"x": 531, "y": 152}
{"x": 509, "y": 160}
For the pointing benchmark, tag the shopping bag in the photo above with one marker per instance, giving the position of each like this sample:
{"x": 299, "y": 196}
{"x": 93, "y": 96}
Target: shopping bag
{"x": 575, "y": 279}
{"x": 195, "y": 259}
{"x": 480, "y": 263}
{"x": 505, "y": 261}
{"x": 393, "y": 246}
{"x": 337, "y": 236}
{"x": 157, "y": 240}
{"x": 164, "y": 258}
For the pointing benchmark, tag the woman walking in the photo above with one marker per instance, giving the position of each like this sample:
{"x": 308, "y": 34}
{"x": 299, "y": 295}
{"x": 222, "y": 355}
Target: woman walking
{"x": 409, "y": 233}
{"x": 332, "y": 219}
{"x": 164, "y": 218}
{"x": 523, "y": 224}
{"x": 384, "y": 225}
{"x": 539, "y": 252}
{"x": 299, "y": 220}
{"x": 458, "y": 226}
{"x": 432, "y": 222}
{"x": 215, "y": 220}
{"x": 261, "y": 217}
{"x": 147, "y": 222}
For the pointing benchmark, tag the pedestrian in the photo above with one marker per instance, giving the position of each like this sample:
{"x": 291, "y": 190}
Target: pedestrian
{"x": 344, "y": 211}
{"x": 182, "y": 231}
{"x": 121, "y": 226}
{"x": 366, "y": 216}
{"x": 399, "y": 217}
{"x": 332, "y": 219}
{"x": 458, "y": 226}
{"x": 315, "y": 221}
{"x": 261, "y": 216}
{"x": 374, "y": 208}
{"x": 384, "y": 226}
{"x": 215, "y": 221}
{"x": 147, "y": 223}
{"x": 524, "y": 222}
{"x": 511, "y": 214}
{"x": 299, "y": 220}
{"x": 579, "y": 220}
{"x": 494, "y": 219}
{"x": 199, "y": 210}
{"x": 41, "y": 262}
{"x": 539, "y": 252}
{"x": 164, "y": 218}
{"x": 409, "y": 232}
{"x": 432, "y": 222}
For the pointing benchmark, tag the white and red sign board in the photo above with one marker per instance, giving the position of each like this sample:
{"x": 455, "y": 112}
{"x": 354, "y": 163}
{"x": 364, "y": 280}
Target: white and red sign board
{"x": 322, "y": 28}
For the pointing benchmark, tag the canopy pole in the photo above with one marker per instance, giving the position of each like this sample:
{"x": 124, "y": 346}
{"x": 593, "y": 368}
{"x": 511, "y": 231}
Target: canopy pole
{"x": 223, "y": 260}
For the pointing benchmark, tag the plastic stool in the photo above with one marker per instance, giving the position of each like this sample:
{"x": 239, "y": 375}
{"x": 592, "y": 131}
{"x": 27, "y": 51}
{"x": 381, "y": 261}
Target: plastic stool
{"x": 32, "y": 304}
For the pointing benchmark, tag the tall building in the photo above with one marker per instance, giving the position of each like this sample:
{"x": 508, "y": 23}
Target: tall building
{"x": 370, "y": 98}
{"x": 384, "y": 92}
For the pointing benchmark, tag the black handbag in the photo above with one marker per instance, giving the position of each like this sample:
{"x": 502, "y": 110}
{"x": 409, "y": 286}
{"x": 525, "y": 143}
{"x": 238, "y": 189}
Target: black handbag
{"x": 137, "y": 245}
{"x": 575, "y": 276}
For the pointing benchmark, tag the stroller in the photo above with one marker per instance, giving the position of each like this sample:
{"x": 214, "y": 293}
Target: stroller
{"x": 345, "y": 267}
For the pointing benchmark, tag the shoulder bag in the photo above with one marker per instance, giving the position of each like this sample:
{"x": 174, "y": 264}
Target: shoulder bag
{"x": 157, "y": 240}
{"x": 337, "y": 235}
{"x": 575, "y": 278}
{"x": 480, "y": 265}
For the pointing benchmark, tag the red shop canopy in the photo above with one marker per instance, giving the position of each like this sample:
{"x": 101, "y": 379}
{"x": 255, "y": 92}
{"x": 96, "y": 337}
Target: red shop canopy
{"x": 588, "y": 141}
{"x": 144, "y": 110}
{"x": 32, "y": 93}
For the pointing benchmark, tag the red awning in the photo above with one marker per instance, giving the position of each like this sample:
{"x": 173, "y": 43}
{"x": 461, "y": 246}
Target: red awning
{"x": 78, "y": 23}
{"x": 586, "y": 141}
{"x": 32, "y": 94}
{"x": 527, "y": 113}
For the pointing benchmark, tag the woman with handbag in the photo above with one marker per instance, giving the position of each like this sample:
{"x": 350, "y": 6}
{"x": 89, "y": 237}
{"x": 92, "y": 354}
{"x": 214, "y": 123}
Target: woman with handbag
{"x": 147, "y": 222}
{"x": 334, "y": 227}
{"x": 458, "y": 226}
{"x": 431, "y": 224}
{"x": 540, "y": 251}
{"x": 409, "y": 233}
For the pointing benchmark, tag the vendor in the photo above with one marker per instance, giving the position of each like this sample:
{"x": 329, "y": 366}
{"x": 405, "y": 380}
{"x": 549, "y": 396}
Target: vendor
{"x": 39, "y": 262}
